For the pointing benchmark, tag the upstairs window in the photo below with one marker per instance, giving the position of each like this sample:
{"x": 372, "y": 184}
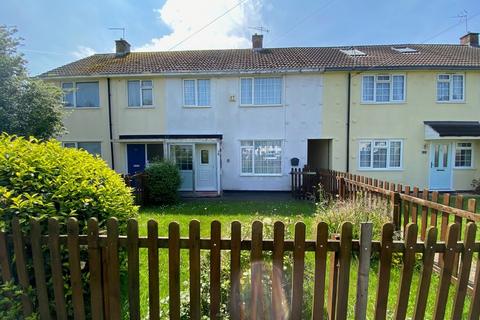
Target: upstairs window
{"x": 81, "y": 94}
{"x": 261, "y": 91}
{"x": 450, "y": 87}
{"x": 383, "y": 88}
{"x": 140, "y": 93}
{"x": 196, "y": 92}
{"x": 380, "y": 154}
{"x": 463, "y": 155}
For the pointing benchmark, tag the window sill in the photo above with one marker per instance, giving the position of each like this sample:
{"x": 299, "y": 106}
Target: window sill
{"x": 464, "y": 168}
{"x": 197, "y": 107}
{"x": 82, "y": 108}
{"x": 381, "y": 169}
{"x": 261, "y": 175}
{"x": 260, "y": 105}
{"x": 383, "y": 103}
{"x": 452, "y": 102}
{"x": 141, "y": 107}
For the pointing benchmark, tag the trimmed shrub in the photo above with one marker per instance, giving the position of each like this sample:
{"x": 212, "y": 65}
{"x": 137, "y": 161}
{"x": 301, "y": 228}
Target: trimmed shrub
{"x": 163, "y": 181}
{"x": 43, "y": 180}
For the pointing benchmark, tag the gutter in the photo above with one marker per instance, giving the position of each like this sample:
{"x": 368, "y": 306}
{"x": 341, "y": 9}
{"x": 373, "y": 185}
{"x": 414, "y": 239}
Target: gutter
{"x": 110, "y": 121}
{"x": 348, "y": 121}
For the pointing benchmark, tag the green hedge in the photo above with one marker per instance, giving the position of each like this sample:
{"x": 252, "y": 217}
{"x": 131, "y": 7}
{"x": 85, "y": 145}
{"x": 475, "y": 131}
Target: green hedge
{"x": 43, "y": 180}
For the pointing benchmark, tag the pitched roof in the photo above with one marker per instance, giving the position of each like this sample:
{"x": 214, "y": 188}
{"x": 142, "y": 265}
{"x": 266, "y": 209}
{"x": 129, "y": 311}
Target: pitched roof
{"x": 274, "y": 59}
{"x": 455, "y": 128}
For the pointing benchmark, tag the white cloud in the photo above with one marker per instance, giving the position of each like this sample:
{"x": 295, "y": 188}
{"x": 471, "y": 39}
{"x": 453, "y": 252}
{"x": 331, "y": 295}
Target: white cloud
{"x": 82, "y": 52}
{"x": 185, "y": 17}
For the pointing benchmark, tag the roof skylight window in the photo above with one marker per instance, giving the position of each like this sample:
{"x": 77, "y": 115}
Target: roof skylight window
{"x": 353, "y": 52}
{"x": 404, "y": 49}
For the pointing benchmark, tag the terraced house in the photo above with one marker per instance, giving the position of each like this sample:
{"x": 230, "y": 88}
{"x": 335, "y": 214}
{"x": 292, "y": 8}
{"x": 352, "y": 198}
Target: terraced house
{"x": 240, "y": 119}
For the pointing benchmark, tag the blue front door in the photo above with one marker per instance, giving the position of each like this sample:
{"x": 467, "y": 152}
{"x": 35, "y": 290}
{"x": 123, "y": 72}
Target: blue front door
{"x": 136, "y": 158}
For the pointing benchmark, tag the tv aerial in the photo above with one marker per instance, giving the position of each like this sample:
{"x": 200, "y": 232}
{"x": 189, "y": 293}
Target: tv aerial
{"x": 119, "y": 29}
{"x": 260, "y": 29}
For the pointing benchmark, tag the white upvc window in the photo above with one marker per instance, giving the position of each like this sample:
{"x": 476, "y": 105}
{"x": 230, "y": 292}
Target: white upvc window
{"x": 450, "y": 88}
{"x": 380, "y": 154}
{"x": 196, "y": 92}
{"x": 261, "y": 157}
{"x": 140, "y": 93}
{"x": 463, "y": 155}
{"x": 94, "y": 148}
{"x": 261, "y": 91}
{"x": 81, "y": 94}
{"x": 388, "y": 88}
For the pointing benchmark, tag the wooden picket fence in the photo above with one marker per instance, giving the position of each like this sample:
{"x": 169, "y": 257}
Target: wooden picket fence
{"x": 23, "y": 258}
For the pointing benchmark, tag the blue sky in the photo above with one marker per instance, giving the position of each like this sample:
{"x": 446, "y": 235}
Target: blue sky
{"x": 58, "y": 31}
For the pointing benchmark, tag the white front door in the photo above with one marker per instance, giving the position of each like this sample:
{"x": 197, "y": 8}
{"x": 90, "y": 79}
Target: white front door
{"x": 440, "y": 166}
{"x": 206, "y": 167}
{"x": 182, "y": 155}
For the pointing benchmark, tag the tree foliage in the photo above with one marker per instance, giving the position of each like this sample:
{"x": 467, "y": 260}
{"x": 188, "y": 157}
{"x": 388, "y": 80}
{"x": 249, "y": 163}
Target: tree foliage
{"x": 28, "y": 106}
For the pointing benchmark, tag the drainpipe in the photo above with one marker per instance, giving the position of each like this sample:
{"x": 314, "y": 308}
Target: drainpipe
{"x": 110, "y": 121}
{"x": 348, "y": 121}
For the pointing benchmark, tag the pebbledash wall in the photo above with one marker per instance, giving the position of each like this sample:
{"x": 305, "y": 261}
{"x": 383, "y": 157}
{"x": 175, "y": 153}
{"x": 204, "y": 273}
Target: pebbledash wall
{"x": 404, "y": 121}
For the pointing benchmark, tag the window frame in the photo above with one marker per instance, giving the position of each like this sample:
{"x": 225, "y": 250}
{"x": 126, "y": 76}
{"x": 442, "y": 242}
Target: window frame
{"x": 74, "y": 94}
{"x": 253, "y": 174}
{"x": 471, "y": 148}
{"x": 141, "y": 106}
{"x": 375, "y": 81}
{"x": 253, "y": 104}
{"x": 196, "y": 93}
{"x": 75, "y": 143}
{"x": 372, "y": 146}
{"x": 450, "y": 88}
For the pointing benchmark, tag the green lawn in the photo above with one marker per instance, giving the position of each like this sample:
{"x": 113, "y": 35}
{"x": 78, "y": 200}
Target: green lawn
{"x": 226, "y": 211}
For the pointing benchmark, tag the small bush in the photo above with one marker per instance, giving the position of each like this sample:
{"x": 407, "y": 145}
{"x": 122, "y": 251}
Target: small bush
{"x": 163, "y": 182}
{"x": 11, "y": 301}
{"x": 355, "y": 212}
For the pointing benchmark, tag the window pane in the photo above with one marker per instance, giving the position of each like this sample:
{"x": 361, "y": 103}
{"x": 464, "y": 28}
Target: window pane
{"x": 203, "y": 92}
{"x": 68, "y": 94}
{"x": 445, "y": 155}
{"x": 436, "y": 157}
{"x": 457, "y": 87}
{"x": 463, "y": 154}
{"x": 395, "y": 154}
{"x": 91, "y": 147}
{"x": 154, "y": 152}
{"x": 443, "y": 91}
{"x": 267, "y": 91}
{"x": 189, "y": 92}
{"x": 267, "y": 157}
{"x": 383, "y": 92}
{"x": 246, "y": 143}
{"x": 183, "y": 156}
{"x": 146, "y": 83}
{"x": 398, "y": 88}
{"x": 69, "y": 144}
{"x": 134, "y": 93}
{"x": 246, "y": 91}
{"x": 368, "y": 85}
{"x": 147, "y": 99}
{"x": 204, "y": 156}
{"x": 87, "y": 94}
{"x": 365, "y": 154}
{"x": 247, "y": 160}
{"x": 380, "y": 154}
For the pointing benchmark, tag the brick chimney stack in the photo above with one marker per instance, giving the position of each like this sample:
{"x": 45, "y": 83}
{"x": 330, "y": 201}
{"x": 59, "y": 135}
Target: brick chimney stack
{"x": 470, "y": 39}
{"x": 257, "y": 41}
{"x": 122, "y": 47}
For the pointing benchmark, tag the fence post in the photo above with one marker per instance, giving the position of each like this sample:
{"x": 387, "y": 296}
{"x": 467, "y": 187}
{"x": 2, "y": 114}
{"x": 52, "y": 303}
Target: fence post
{"x": 332, "y": 287}
{"x": 396, "y": 206}
{"x": 341, "y": 188}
